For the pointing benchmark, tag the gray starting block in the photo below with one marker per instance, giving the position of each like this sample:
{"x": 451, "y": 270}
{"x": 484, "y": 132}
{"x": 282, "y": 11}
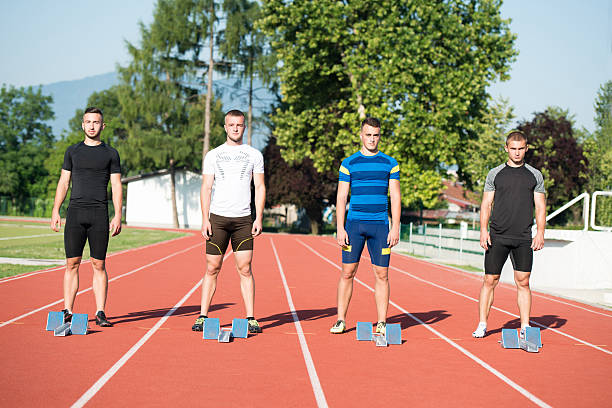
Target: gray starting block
{"x": 225, "y": 335}
{"x": 240, "y": 328}
{"x": 62, "y": 330}
{"x": 379, "y": 340}
{"x": 54, "y": 320}
{"x": 364, "y": 331}
{"x": 531, "y": 343}
{"x": 211, "y": 329}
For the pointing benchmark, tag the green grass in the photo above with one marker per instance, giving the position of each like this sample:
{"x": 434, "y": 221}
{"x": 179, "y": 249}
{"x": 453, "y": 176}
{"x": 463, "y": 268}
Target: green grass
{"x": 465, "y": 267}
{"x": 10, "y": 269}
{"x": 52, "y": 246}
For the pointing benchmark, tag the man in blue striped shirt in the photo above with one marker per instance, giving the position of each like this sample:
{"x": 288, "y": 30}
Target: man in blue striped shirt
{"x": 369, "y": 175}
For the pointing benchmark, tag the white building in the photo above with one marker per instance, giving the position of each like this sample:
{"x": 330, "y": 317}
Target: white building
{"x": 149, "y": 202}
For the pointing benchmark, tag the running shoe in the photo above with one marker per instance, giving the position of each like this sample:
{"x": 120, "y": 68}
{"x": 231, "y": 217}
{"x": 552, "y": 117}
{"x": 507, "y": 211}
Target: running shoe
{"x": 101, "y": 319}
{"x": 254, "y": 326}
{"x": 338, "y": 327}
{"x": 381, "y": 327}
{"x": 522, "y": 332}
{"x": 480, "y": 331}
{"x": 67, "y": 315}
{"x": 199, "y": 323}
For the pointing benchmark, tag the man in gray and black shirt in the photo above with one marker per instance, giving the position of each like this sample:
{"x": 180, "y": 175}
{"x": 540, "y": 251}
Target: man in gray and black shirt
{"x": 517, "y": 189}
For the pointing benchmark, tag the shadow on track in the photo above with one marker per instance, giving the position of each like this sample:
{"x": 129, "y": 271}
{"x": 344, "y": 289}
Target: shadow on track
{"x": 193, "y": 310}
{"x": 548, "y": 321}
{"x": 431, "y": 317}
{"x": 280, "y": 319}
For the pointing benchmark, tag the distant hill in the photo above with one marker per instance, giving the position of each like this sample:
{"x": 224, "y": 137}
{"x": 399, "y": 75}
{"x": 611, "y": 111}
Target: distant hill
{"x": 68, "y": 96}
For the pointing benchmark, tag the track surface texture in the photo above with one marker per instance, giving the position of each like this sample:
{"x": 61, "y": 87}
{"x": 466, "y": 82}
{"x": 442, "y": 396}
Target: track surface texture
{"x": 152, "y": 358}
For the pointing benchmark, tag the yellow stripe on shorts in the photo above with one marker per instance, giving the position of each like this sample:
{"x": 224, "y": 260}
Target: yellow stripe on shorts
{"x": 386, "y": 251}
{"x": 347, "y": 248}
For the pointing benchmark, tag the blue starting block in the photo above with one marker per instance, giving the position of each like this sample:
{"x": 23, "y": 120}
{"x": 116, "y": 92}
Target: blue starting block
{"x": 54, "y": 320}
{"x": 394, "y": 333}
{"x": 364, "y": 331}
{"x": 79, "y": 323}
{"x": 211, "y": 329}
{"x": 531, "y": 343}
{"x": 240, "y": 328}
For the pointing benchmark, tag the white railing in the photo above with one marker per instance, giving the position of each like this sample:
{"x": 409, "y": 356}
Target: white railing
{"x": 585, "y": 210}
{"x": 593, "y": 205}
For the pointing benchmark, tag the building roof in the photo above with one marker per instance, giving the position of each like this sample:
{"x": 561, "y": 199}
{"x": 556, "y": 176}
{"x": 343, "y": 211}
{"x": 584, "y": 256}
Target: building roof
{"x": 157, "y": 173}
{"x": 455, "y": 193}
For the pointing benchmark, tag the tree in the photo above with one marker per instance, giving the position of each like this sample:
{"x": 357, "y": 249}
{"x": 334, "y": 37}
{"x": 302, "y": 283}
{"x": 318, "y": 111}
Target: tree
{"x": 25, "y": 138}
{"x": 421, "y": 67}
{"x": 244, "y": 46}
{"x": 554, "y": 150}
{"x": 298, "y": 184}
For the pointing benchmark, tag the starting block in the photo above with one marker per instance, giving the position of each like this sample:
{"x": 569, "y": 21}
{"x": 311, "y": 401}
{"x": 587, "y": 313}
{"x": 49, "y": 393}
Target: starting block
{"x": 240, "y": 328}
{"x": 211, "y": 329}
{"x": 531, "y": 343}
{"x": 364, "y": 331}
{"x": 225, "y": 335}
{"x": 393, "y": 334}
{"x": 78, "y": 324}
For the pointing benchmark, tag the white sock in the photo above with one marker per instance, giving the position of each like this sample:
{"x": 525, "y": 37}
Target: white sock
{"x": 480, "y": 330}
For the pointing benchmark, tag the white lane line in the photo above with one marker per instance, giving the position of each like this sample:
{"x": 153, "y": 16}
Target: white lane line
{"x": 312, "y": 372}
{"x": 27, "y": 275}
{"x": 26, "y": 236}
{"x": 485, "y": 365}
{"x": 89, "y": 288}
{"x": 93, "y": 390}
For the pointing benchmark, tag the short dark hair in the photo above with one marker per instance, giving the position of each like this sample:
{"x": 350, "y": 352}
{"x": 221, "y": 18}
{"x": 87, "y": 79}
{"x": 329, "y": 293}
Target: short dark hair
{"x": 234, "y": 112}
{"x": 93, "y": 109}
{"x": 515, "y": 134}
{"x": 371, "y": 122}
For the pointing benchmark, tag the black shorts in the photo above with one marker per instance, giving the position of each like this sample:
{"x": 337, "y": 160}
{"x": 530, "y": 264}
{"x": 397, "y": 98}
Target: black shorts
{"x": 224, "y": 228}
{"x": 520, "y": 252}
{"x": 86, "y": 224}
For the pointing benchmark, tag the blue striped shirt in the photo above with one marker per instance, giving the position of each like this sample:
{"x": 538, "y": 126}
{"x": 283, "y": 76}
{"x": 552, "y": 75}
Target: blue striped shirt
{"x": 369, "y": 182}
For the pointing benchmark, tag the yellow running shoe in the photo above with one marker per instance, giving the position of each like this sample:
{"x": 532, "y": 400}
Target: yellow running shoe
{"x": 254, "y": 326}
{"x": 338, "y": 328}
{"x": 381, "y": 327}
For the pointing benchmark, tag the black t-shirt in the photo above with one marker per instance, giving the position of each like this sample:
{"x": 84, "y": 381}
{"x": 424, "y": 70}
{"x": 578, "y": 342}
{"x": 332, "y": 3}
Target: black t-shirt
{"x": 91, "y": 167}
{"x": 513, "y": 204}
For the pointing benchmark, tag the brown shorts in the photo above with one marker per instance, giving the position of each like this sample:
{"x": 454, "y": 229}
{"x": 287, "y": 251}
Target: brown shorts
{"x": 224, "y": 228}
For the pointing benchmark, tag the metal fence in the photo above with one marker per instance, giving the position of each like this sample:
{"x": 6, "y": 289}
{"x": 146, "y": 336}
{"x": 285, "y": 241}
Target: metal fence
{"x": 36, "y": 207}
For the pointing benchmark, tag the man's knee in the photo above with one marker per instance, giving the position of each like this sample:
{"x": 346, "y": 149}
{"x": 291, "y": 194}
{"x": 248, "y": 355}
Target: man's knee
{"x": 349, "y": 271}
{"x": 244, "y": 270}
{"x": 98, "y": 265}
{"x": 490, "y": 281}
{"x": 522, "y": 279}
{"x": 381, "y": 273}
{"x": 72, "y": 264}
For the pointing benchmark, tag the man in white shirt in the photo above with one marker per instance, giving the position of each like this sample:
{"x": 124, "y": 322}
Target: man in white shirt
{"x": 226, "y": 213}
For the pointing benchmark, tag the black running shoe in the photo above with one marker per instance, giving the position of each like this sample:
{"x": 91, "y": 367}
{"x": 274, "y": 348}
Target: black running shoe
{"x": 254, "y": 326}
{"x": 67, "y": 315}
{"x": 101, "y": 319}
{"x": 199, "y": 324}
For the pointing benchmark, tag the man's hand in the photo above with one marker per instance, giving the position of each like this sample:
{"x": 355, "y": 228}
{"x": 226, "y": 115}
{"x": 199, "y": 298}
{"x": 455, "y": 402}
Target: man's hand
{"x": 257, "y": 227}
{"x": 485, "y": 239}
{"x": 537, "y": 242}
{"x": 115, "y": 226}
{"x": 56, "y": 222}
{"x": 207, "y": 229}
{"x": 393, "y": 237}
{"x": 342, "y": 237}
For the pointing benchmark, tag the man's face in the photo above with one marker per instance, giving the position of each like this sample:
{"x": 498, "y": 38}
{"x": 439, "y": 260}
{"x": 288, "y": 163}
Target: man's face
{"x": 370, "y": 136}
{"x": 234, "y": 127}
{"x": 92, "y": 124}
{"x": 516, "y": 150}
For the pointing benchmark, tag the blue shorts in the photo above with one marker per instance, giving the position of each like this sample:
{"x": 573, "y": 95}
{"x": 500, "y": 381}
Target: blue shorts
{"x": 375, "y": 235}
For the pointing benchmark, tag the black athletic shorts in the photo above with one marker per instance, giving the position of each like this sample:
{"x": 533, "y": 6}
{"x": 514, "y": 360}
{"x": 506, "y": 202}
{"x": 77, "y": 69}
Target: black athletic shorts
{"x": 86, "y": 224}
{"x": 224, "y": 228}
{"x": 520, "y": 252}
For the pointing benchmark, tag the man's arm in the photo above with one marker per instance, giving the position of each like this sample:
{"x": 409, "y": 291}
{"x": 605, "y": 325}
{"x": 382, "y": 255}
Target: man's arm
{"x": 117, "y": 193}
{"x": 60, "y": 195}
{"x": 343, "y": 190}
{"x": 485, "y": 214}
{"x": 396, "y": 211}
{"x": 260, "y": 202}
{"x": 540, "y": 215}
{"x": 205, "y": 195}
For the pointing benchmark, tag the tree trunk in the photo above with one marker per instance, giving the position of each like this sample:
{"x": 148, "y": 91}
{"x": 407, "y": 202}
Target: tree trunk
{"x": 314, "y": 227}
{"x": 209, "y": 84}
{"x": 173, "y": 195}
{"x": 250, "y": 114}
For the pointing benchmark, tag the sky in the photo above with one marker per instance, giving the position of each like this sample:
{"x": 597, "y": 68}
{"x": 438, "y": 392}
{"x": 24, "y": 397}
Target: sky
{"x": 565, "y": 47}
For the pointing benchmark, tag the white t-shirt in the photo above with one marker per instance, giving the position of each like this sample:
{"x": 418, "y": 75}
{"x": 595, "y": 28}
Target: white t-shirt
{"x": 233, "y": 167}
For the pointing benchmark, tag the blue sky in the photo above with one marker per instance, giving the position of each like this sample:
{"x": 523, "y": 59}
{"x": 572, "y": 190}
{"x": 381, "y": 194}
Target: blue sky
{"x": 565, "y": 47}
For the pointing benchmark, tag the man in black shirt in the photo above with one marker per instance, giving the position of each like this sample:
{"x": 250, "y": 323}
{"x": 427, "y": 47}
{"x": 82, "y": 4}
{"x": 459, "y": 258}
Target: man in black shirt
{"x": 90, "y": 164}
{"x": 517, "y": 188}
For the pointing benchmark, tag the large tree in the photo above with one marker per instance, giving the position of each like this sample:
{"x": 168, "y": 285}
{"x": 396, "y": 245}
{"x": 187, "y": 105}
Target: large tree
{"x": 422, "y": 67}
{"x": 25, "y": 138}
{"x": 554, "y": 149}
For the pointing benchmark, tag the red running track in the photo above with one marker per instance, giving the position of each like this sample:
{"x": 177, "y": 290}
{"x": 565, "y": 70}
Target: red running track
{"x": 152, "y": 358}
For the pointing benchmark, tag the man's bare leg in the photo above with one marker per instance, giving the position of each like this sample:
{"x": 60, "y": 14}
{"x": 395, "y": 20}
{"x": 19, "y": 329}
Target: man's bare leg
{"x": 381, "y": 291}
{"x": 71, "y": 282}
{"x": 523, "y": 296}
{"x": 345, "y": 288}
{"x": 247, "y": 282}
{"x": 485, "y": 301}
{"x": 209, "y": 282}
{"x": 99, "y": 283}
